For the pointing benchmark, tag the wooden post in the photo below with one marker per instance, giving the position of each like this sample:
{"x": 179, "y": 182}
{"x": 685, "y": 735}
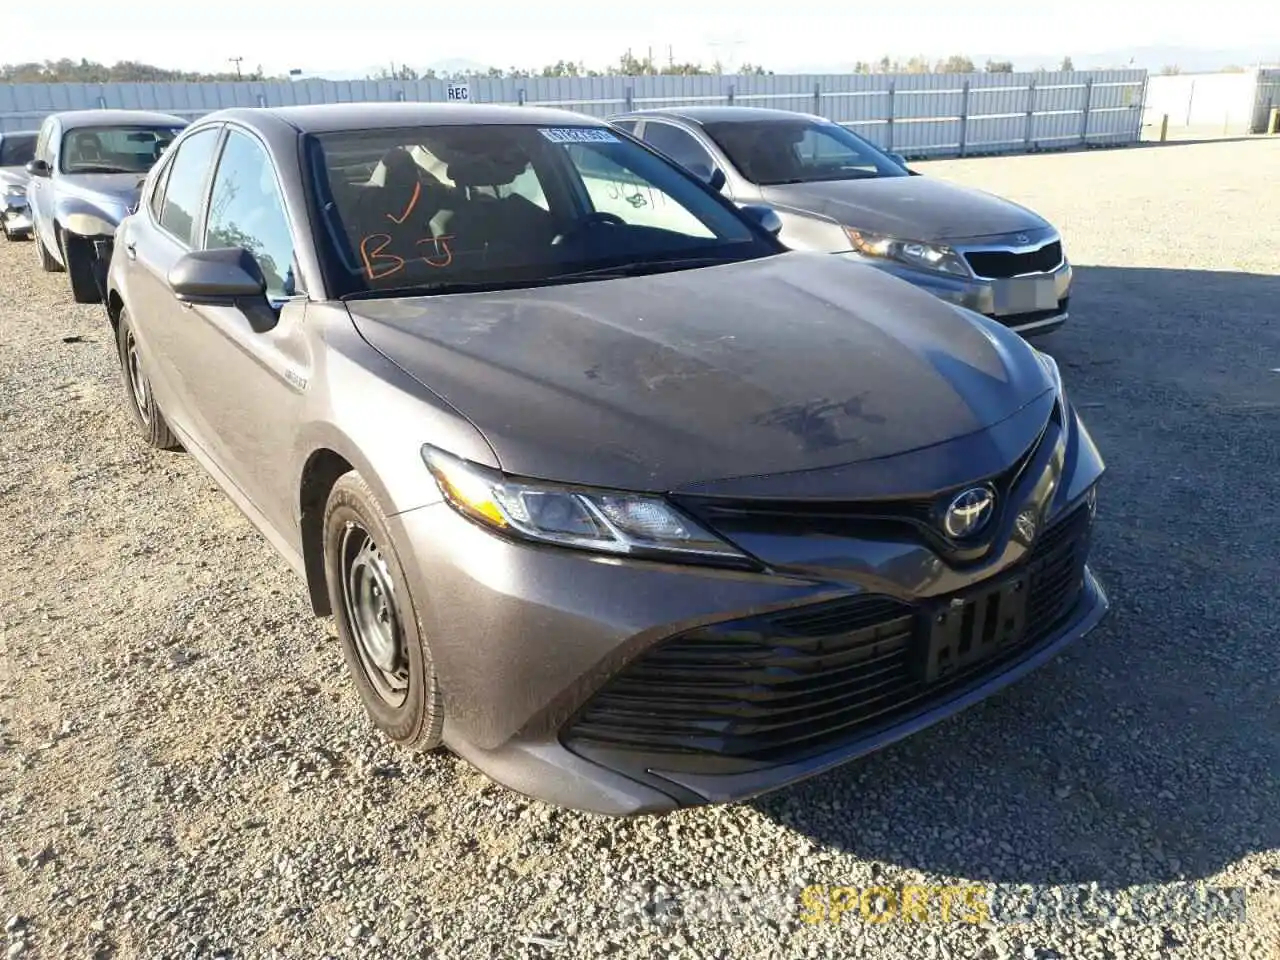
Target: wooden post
{"x": 1084, "y": 120}
{"x": 964, "y": 116}
{"x": 1164, "y": 128}
{"x": 817, "y": 99}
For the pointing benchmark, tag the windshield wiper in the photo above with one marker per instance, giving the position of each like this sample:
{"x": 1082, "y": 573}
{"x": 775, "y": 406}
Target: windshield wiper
{"x": 639, "y": 268}
{"x": 91, "y": 168}
{"x": 441, "y": 287}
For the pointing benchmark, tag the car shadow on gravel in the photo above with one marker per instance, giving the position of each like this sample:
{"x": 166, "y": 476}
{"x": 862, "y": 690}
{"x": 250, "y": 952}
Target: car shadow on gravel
{"x": 1150, "y": 751}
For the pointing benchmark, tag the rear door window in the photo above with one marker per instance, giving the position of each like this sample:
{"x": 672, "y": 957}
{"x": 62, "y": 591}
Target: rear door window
{"x": 188, "y": 174}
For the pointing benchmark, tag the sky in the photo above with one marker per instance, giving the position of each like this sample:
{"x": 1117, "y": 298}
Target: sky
{"x": 792, "y": 36}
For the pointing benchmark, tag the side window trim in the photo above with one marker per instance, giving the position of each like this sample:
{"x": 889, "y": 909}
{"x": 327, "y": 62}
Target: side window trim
{"x": 159, "y": 183}
{"x": 220, "y": 130}
{"x": 258, "y": 142}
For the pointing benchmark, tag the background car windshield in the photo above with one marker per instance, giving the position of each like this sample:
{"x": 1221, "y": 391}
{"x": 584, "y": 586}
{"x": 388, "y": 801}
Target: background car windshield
{"x": 15, "y": 151}
{"x": 132, "y": 149}
{"x": 772, "y": 152}
{"x": 509, "y": 204}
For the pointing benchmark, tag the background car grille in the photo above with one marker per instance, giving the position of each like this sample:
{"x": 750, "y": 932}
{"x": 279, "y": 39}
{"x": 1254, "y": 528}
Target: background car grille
{"x": 787, "y": 684}
{"x": 997, "y": 264}
{"x": 1031, "y": 316}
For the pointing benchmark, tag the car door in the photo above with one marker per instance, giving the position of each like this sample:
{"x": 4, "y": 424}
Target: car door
{"x": 40, "y": 189}
{"x": 245, "y": 386}
{"x": 166, "y": 227}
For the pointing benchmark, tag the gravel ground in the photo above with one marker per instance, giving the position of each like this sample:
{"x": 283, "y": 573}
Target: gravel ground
{"x": 185, "y": 771}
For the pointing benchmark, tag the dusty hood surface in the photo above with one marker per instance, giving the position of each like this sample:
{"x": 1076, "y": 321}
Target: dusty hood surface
{"x": 788, "y": 363}
{"x": 913, "y": 208}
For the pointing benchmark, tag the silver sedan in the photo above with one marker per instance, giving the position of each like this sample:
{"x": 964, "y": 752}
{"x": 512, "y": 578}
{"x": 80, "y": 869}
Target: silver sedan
{"x": 838, "y": 193}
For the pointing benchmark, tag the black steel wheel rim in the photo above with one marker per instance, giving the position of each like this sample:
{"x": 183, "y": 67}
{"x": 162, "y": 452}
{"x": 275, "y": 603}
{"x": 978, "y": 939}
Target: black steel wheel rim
{"x": 138, "y": 382}
{"x": 368, "y": 598}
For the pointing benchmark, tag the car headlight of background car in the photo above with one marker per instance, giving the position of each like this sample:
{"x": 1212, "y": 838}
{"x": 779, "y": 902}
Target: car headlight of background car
{"x": 605, "y": 521}
{"x": 935, "y": 257}
{"x": 15, "y": 193}
{"x": 89, "y": 225}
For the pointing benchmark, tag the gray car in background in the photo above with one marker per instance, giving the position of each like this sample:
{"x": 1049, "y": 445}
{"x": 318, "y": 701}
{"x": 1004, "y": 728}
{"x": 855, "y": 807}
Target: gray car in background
{"x": 838, "y": 193}
{"x": 17, "y": 147}
{"x": 88, "y": 168}
{"x": 618, "y": 499}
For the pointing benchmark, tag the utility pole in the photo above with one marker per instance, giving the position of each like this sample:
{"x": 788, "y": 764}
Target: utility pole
{"x": 236, "y": 61}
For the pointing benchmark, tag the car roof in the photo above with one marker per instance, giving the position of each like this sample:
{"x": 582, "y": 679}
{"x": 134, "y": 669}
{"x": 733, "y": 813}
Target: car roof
{"x": 336, "y": 117}
{"x": 72, "y": 119}
{"x": 720, "y": 114}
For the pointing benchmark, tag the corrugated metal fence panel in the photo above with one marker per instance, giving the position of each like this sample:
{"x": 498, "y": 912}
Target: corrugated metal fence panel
{"x": 915, "y": 114}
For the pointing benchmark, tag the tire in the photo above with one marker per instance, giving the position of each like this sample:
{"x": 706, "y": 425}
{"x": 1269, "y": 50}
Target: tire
{"x": 137, "y": 391}
{"x": 47, "y": 263}
{"x": 378, "y": 624}
{"x": 82, "y": 268}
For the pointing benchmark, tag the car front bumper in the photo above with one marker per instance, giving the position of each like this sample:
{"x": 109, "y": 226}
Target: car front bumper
{"x": 532, "y": 643}
{"x": 17, "y": 220}
{"x": 1011, "y": 302}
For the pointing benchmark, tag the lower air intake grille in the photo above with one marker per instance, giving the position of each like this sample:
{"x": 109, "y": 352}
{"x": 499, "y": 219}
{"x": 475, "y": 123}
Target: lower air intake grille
{"x": 787, "y": 684}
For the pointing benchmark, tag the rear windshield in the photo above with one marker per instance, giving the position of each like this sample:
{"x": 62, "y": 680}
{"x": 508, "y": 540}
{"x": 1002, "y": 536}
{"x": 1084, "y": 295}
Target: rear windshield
{"x": 499, "y": 204}
{"x": 131, "y": 149}
{"x": 17, "y": 149}
{"x": 772, "y": 152}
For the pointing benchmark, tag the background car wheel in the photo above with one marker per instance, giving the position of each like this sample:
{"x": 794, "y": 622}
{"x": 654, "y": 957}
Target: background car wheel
{"x": 137, "y": 391}
{"x": 82, "y": 265}
{"x": 378, "y": 625}
{"x": 47, "y": 263}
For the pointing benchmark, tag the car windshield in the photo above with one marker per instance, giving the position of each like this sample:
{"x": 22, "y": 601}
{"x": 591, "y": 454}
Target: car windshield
{"x": 17, "y": 149}
{"x": 773, "y": 152}
{"x": 451, "y": 207}
{"x": 132, "y": 149}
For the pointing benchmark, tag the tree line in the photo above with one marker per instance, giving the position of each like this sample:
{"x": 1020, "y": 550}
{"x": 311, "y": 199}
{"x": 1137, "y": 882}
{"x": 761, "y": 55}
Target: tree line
{"x": 67, "y": 70}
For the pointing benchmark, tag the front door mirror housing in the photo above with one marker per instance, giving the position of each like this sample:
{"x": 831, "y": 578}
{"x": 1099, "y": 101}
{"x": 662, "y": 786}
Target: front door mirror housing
{"x": 764, "y": 216}
{"x": 225, "y": 277}
{"x": 38, "y": 168}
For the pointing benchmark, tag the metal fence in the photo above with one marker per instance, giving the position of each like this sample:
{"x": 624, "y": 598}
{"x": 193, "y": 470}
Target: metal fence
{"x": 918, "y": 115}
{"x": 1265, "y": 98}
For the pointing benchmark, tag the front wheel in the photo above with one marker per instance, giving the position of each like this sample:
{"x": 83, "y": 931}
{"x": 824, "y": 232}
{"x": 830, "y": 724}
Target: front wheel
{"x": 381, "y": 633}
{"x": 47, "y": 261}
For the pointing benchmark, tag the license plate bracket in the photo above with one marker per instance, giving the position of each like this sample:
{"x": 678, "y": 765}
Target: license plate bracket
{"x": 975, "y": 627}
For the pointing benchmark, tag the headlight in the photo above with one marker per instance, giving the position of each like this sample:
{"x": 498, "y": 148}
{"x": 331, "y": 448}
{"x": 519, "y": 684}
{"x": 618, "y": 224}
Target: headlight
{"x": 89, "y": 225}
{"x": 936, "y": 257}
{"x": 606, "y": 521}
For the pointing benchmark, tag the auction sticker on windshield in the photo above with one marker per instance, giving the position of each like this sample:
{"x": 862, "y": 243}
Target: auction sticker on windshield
{"x": 577, "y": 135}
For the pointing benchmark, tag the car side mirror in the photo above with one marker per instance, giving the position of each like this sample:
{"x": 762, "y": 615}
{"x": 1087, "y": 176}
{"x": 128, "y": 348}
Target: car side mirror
{"x": 225, "y": 277}
{"x": 713, "y": 177}
{"x": 764, "y": 216}
{"x": 38, "y": 168}
{"x": 899, "y": 159}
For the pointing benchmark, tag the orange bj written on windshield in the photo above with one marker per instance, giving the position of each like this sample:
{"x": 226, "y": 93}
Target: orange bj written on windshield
{"x": 380, "y": 264}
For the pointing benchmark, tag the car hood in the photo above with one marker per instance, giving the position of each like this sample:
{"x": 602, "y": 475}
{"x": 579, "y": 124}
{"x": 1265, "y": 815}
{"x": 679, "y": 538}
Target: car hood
{"x": 114, "y": 193}
{"x": 787, "y": 363}
{"x": 913, "y": 208}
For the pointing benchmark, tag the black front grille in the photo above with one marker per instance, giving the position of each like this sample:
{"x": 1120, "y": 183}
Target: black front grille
{"x": 799, "y": 681}
{"x": 997, "y": 264}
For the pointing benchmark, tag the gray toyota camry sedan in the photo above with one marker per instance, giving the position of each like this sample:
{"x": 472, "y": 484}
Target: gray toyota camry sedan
{"x": 606, "y": 490}
{"x": 838, "y": 193}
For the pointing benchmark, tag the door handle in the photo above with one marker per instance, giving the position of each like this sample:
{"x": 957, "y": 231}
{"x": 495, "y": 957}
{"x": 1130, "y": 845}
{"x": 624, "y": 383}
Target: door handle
{"x": 131, "y": 250}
